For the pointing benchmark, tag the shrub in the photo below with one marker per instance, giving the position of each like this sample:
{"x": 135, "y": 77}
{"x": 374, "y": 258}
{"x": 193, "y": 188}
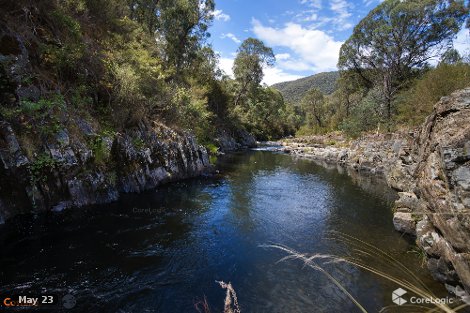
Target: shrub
{"x": 40, "y": 168}
{"x": 417, "y": 102}
{"x": 366, "y": 116}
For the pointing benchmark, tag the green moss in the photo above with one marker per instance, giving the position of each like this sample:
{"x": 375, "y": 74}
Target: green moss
{"x": 138, "y": 143}
{"x": 112, "y": 178}
{"x": 213, "y": 159}
{"x": 212, "y": 148}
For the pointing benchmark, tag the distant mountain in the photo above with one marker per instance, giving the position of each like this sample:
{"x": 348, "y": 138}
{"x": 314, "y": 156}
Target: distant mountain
{"x": 293, "y": 91}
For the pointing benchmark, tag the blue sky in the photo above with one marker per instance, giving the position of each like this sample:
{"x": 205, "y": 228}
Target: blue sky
{"x": 306, "y": 35}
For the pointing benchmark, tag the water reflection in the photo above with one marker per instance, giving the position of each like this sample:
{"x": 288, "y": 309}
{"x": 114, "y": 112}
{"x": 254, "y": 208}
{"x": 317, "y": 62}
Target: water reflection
{"x": 160, "y": 251}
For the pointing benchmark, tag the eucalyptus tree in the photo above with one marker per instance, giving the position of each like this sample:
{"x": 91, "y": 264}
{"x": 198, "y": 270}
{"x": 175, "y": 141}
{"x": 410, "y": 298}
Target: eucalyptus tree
{"x": 180, "y": 26}
{"x": 252, "y": 55}
{"x": 313, "y": 104}
{"x": 398, "y": 37}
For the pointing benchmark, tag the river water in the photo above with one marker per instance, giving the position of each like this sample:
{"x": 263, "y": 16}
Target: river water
{"x": 162, "y": 251}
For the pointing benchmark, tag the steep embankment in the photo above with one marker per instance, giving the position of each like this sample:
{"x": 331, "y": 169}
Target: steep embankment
{"x": 293, "y": 91}
{"x": 59, "y": 146}
{"x": 431, "y": 171}
{"x": 67, "y": 173}
{"x": 85, "y": 103}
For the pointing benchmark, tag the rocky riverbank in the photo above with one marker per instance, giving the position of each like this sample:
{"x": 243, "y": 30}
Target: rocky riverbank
{"x": 84, "y": 166}
{"x": 430, "y": 168}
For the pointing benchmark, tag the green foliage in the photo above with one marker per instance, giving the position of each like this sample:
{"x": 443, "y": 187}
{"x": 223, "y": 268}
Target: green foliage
{"x": 294, "y": 91}
{"x": 182, "y": 27}
{"x": 67, "y": 23}
{"x": 40, "y": 167}
{"x": 396, "y": 38}
{"x": 194, "y": 113}
{"x": 248, "y": 67}
{"x": 213, "y": 150}
{"x": 138, "y": 143}
{"x": 365, "y": 116}
{"x": 451, "y": 56}
{"x": 41, "y": 106}
{"x": 121, "y": 63}
{"x": 418, "y": 101}
{"x": 40, "y": 116}
{"x": 80, "y": 97}
{"x": 266, "y": 115}
{"x": 313, "y": 104}
{"x": 99, "y": 149}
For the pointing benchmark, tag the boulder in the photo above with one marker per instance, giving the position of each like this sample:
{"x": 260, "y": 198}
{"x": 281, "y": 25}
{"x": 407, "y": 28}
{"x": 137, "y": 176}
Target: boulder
{"x": 404, "y": 222}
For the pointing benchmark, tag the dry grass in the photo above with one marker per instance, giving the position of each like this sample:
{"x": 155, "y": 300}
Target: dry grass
{"x": 202, "y": 306}
{"x": 231, "y": 300}
{"x": 372, "y": 259}
{"x": 230, "y": 304}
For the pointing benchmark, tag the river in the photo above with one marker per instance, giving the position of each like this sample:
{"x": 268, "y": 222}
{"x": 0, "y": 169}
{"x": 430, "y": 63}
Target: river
{"x": 162, "y": 251}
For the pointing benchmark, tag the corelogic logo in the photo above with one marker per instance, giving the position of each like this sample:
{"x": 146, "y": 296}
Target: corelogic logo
{"x": 397, "y": 296}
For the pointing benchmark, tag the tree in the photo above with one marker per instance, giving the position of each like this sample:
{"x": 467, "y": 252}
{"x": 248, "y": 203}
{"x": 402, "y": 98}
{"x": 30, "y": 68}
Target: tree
{"x": 397, "y": 37}
{"x": 181, "y": 27}
{"x": 145, "y": 12}
{"x": 252, "y": 55}
{"x": 451, "y": 56}
{"x": 313, "y": 104}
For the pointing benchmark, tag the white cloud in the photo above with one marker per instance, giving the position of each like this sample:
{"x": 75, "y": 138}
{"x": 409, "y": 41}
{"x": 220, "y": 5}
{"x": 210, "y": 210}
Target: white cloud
{"x": 274, "y": 75}
{"x": 337, "y": 14}
{"x": 231, "y": 36}
{"x": 219, "y": 15}
{"x": 462, "y": 42}
{"x": 295, "y": 65}
{"x": 282, "y": 56}
{"x": 341, "y": 9}
{"x": 315, "y": 48}
{"x": 226, "y": 64}
{"x": 317, "y": 4}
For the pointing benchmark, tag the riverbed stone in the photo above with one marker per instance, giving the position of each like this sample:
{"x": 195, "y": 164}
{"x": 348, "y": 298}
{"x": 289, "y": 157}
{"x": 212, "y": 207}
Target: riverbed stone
{"x": 404, "y": 222}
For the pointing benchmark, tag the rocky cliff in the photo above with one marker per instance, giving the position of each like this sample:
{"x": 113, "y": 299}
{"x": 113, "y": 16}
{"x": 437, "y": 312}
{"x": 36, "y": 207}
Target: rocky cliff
{"x": 84, "y": 167}
{"x": 431, "y": 170}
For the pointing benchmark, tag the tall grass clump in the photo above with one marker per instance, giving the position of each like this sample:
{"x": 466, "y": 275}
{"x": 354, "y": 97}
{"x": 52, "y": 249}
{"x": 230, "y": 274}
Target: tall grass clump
{"x": 367, "y": 257}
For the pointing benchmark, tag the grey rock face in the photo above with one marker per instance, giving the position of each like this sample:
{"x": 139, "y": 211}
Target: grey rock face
{"x": 443, "y": 179}
{"x": 236, "y": 140}
{"x": 404, "y": 222}
{"x": 79, "y": 175}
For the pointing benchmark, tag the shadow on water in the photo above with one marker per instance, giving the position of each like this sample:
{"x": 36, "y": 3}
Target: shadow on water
{"x": 161, "y": 251}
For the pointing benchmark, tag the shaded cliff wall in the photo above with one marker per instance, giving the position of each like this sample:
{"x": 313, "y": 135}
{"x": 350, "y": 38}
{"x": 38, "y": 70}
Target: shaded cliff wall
{"x": 87, "y": 167}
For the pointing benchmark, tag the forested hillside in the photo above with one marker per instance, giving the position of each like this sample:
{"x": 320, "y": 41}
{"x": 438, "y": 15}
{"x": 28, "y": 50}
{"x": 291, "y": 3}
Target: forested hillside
{"x": 117, "y": 64}
{"x": 293, "y": 91}
{"x": 386, "y": 80}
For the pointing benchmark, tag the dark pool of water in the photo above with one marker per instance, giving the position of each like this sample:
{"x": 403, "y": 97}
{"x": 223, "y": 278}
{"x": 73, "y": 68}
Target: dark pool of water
{"x": 162, "y": 251}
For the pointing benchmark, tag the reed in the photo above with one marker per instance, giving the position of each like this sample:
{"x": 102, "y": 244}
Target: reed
{"x": 368, "y": 257}
{"x": 231, "y": 300}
